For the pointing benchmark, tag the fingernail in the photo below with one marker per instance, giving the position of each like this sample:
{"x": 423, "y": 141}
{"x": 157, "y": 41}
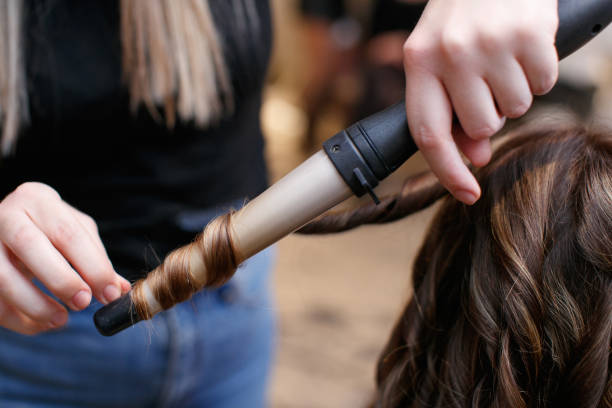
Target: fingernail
{"x": 81, "y": 299}
{"x": 466, "y": 196}
{"x": 125, "y": 286}
{"x": 59, "y": 319}
{"x": 111, "y": 292}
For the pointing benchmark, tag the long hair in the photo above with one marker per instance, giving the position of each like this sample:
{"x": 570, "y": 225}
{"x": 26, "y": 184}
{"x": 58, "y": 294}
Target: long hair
{"x": 512, "y": 303}
{"x": 172, "y": 57}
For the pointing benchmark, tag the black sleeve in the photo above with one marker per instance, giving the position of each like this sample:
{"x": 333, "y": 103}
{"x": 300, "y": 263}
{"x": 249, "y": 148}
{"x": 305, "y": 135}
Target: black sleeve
{"x": 389, "y": 15}
{"x": 326, "y": 9}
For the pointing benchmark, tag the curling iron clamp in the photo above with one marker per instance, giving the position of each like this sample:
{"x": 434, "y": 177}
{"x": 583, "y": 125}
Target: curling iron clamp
{"x": 352, "y": 162}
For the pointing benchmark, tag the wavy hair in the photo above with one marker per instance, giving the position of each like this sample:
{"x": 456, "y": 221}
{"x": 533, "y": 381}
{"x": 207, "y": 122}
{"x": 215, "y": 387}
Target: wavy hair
{"x": 512, "y": 303}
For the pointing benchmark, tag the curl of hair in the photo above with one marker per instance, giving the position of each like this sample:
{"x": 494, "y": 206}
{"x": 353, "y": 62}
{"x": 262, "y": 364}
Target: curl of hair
{"x": 512, "y": 303}
{"x": 418, "y": 192}
{"x": 172, "y": 282}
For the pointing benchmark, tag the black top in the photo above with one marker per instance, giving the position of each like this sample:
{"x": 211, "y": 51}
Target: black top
{"x": 144, "y": 184}
{"x": 386, "y": 15}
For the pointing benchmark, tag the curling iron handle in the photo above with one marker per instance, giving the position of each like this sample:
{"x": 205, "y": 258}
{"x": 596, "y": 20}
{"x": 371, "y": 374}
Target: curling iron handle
{"x": 579, "y": 22}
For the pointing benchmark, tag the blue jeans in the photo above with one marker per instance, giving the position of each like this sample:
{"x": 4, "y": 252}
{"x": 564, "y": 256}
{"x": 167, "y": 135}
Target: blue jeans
{"x": 213, "y": 351}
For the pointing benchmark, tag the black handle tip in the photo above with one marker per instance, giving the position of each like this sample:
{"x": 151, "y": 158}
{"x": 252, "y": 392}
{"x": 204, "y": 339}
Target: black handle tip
{"x": 116, "y": 316}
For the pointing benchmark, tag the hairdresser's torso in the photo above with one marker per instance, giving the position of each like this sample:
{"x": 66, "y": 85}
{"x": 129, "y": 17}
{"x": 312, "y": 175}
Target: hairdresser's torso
{"x": 144, "y": 184}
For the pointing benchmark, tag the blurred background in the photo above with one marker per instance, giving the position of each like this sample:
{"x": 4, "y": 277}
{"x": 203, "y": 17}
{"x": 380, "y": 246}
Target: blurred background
{"x": 338, "y": 296}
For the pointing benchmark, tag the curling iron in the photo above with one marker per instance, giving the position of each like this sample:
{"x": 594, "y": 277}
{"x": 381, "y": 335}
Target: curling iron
{"x": 352, "y": 162}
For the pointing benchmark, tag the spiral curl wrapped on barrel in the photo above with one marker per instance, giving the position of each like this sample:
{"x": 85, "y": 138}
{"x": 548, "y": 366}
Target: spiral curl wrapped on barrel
{"x": 177, "y": 278}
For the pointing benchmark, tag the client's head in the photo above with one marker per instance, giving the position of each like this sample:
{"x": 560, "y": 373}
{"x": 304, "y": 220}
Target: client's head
{"x": 512, "y": 303}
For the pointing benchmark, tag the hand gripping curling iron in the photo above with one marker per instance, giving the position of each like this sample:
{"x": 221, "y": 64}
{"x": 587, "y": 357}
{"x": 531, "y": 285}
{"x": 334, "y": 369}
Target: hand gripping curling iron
{"x": 353, "y": 161}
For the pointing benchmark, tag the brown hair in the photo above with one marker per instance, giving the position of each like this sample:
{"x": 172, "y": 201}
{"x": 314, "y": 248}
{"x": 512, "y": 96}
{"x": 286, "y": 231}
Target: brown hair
{"x": 512, "y": 303}
{"x": 173, "y": 281}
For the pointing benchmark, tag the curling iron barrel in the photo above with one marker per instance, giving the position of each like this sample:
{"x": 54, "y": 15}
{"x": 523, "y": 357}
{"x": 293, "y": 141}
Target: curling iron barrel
{"x": 354, "y": 161}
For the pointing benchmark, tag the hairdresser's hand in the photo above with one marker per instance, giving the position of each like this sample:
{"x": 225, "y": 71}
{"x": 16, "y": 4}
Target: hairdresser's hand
{"x": 483, "y": 60}
{"x": 46, "y": 239}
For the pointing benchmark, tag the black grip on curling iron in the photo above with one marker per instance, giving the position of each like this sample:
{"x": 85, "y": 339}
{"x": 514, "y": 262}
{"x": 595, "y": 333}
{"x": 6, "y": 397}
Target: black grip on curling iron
{"x": 116, "y": 316}
{"x": 371, "y": 149}
{"x": 579, "y": 22}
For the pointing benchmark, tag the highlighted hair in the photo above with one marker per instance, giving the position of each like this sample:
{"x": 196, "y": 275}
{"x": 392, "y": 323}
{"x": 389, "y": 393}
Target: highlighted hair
{"x": 512, "y": 303}
{"x": 172, "y": 57}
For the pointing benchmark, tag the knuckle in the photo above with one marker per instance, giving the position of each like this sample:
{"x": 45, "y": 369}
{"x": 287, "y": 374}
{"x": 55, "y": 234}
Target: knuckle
{"x": 32, "y": 189}
{"x": 25, "y": 190}
{"x": 426, "y": 138}
{"x": 456, "y": 47}
{"x": 63, "y": 233}
{"x": 22, "y": 237}
{"x": 527, "y": 34}
{"x": 415, "y": 51}
{"x": 490, "y": 41}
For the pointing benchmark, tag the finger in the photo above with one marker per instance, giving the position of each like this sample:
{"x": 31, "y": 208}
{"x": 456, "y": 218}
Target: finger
{"x": 429, "y": 117}
{"x": 478, "y": 152}
{"x": 16, "y": 262}
{"x": 510, "y": 87}
{"x": 88, "y": 257}
{"x": 34, "y": 249}
{"x": 16, "y": 321}
{"x": 92, "y": 228}
{"x": 20, "y": 293}
{"x": 540, "y": 62}
{"x": 89, "y": 225}
{"x": 474, "y": 104}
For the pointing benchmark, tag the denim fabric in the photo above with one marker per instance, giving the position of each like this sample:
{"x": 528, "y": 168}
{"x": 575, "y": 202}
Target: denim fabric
{"x": 213, "y": 351}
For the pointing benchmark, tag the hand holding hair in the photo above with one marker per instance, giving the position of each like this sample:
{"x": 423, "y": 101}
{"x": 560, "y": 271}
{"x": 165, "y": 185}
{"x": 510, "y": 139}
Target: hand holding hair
{"x": 482, "y": 60}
